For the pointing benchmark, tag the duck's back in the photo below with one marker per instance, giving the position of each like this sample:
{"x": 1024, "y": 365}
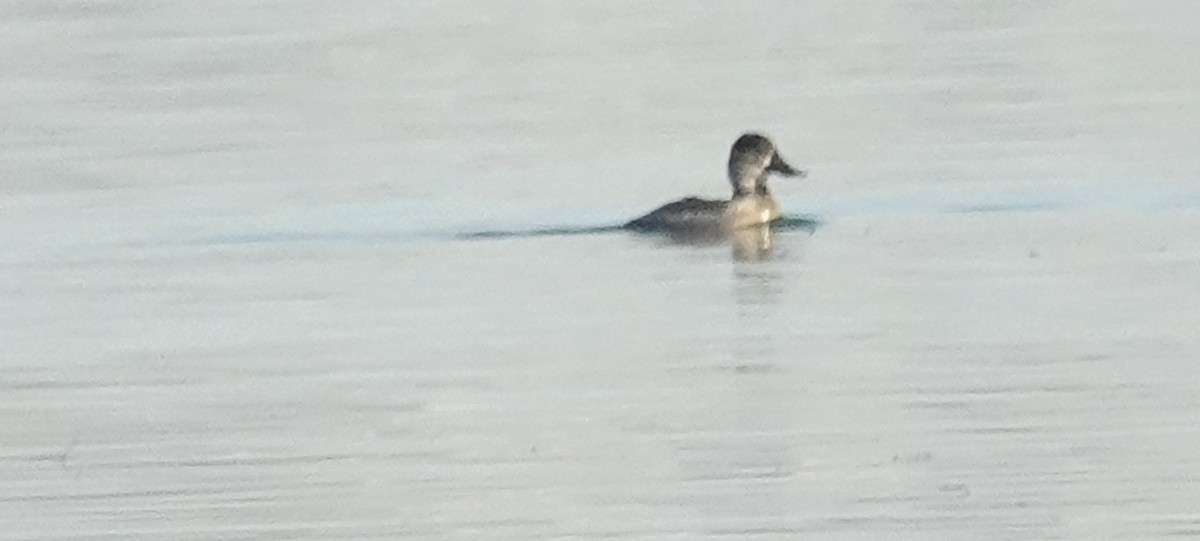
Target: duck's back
{"x": 691, "y": 213}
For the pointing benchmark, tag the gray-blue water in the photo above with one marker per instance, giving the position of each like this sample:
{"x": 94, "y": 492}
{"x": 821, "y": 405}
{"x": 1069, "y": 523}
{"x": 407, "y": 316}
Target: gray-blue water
{"x": 293, "y": 270}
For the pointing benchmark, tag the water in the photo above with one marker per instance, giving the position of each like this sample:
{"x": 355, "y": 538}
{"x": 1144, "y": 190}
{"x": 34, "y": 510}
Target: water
{"x": 308, "y": 270}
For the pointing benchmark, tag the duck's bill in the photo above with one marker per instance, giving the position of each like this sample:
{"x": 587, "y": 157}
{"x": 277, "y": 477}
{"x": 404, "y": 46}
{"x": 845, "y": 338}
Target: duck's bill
{"x": 780, "y": 166}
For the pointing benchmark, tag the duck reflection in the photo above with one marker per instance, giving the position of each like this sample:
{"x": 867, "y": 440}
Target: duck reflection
{"x": 753, "y": 243}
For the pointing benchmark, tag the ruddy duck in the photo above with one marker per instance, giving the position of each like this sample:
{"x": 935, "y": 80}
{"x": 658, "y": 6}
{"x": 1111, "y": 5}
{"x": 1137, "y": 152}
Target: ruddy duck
{"x": 752, "y": 158}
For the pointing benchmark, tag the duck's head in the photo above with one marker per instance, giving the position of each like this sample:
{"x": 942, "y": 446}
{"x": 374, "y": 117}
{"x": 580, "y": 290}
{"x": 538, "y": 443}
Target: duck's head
{"x": 751, "y": 159}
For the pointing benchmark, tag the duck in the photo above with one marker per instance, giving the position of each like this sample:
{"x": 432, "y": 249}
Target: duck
{"x": 752, "y": 159}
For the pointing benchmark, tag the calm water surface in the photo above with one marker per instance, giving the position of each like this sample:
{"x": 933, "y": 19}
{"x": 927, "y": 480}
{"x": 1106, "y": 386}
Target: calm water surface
{"x": 282, "y": 270}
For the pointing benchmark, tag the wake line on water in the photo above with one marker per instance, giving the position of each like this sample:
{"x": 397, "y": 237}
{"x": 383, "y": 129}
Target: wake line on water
{"x": 820, "y": 211}
{"x": 805, "y": 223}
{"x": 799, "y": 223}
{"x": 554, "y": 231}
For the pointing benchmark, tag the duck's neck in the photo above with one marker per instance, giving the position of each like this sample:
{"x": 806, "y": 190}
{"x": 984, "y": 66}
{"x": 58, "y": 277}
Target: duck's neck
{"x": 758, "y": 189}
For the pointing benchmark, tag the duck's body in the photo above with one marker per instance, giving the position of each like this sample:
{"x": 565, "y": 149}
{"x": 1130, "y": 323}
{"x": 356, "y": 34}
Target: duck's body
{"x": 693, "y": 213}
{"x": 751, "y": 159}
{"x": 687, "y": 213}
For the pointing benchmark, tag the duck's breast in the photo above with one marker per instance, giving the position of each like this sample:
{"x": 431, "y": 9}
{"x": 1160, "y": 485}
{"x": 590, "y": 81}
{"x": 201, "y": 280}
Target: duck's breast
{"x": 751, "y": 211}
